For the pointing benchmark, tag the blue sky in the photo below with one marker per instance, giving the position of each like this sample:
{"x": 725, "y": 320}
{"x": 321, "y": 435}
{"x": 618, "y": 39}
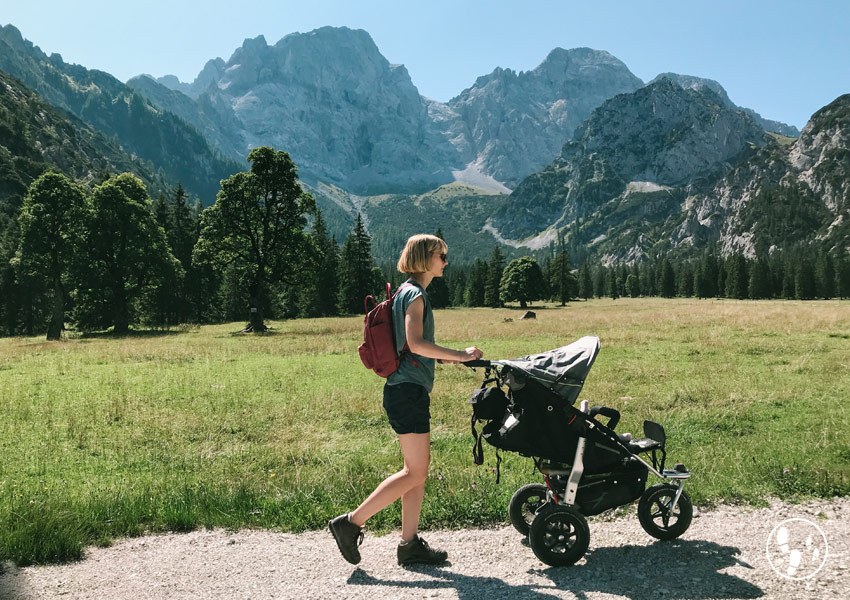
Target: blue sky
{"x": 784, "y": 59}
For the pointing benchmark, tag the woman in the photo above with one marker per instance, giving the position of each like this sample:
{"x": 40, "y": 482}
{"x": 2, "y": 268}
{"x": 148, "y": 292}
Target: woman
{"x": 407, "y": 402}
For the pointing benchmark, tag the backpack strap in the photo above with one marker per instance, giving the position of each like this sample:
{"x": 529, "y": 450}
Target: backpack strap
{"x": 405, "y": 349}
{"x": 477, "y": 450}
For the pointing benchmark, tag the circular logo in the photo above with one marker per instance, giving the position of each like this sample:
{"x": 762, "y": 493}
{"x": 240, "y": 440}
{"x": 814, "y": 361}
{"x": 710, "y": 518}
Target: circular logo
{"x": 797, "y": 549}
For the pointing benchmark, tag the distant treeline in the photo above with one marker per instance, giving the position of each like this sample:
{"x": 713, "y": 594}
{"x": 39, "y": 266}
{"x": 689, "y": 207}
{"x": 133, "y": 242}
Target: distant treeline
{"x": 107, "y": 257}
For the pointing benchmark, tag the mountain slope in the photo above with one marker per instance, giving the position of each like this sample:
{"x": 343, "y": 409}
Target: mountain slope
{"x": 346, "y": 115}
{"x": 785, "y": 195}
{"x": 666, "y": 171}
{"x": 508, "y": 124}
{"x": 108, "y": 105}
{"x": 661, "y": 134}
{"x": 35, "y": 136}
{"x": 700, "y": 83}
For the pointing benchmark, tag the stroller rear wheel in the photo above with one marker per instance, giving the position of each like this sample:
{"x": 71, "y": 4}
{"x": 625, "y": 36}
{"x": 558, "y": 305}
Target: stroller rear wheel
{"x": 525, "y": 503}
{"x": 559, "y": 535}
{"x": 656, "y": 516}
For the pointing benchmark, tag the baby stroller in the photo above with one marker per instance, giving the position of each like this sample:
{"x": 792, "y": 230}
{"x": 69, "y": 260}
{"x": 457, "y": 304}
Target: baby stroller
{"x": 587, "y": 467}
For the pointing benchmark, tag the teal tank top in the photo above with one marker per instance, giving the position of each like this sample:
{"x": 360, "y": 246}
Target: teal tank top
{"x": 413, "y": 368}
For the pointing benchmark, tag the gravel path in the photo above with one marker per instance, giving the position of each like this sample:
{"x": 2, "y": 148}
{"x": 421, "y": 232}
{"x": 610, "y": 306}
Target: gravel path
{"x": 722, "y": 555}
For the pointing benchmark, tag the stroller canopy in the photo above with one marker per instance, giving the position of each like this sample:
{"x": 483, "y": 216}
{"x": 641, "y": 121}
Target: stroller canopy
{"x": 563, "y": 369}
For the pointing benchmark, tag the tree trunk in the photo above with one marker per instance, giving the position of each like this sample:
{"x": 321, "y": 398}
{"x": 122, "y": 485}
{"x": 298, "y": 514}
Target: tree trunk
{"x": 522, "y": 303}
{"x": 57, "y": 320}
{"x": 255, "y": 322}
{"x": 120, "y": 318}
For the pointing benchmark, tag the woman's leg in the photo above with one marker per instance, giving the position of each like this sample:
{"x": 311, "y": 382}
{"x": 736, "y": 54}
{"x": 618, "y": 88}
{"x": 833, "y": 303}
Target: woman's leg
{"x": 408, "y": 484}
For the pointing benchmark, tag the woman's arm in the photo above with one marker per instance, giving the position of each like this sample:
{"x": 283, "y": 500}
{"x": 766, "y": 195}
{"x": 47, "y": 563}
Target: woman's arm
{"x": 413, "y": 328}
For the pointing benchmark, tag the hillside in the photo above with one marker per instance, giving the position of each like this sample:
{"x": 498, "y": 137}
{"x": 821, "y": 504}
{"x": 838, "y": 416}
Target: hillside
{"x": 668, "y": 170}
{"x": 35, "y": 136}
{"x": 109, "y": 106}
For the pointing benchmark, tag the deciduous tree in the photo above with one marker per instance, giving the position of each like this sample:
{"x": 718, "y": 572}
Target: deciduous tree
{"x": 49, "y": 224}
{"x": 257, "y": 224}
{"x": 522, "y": 280}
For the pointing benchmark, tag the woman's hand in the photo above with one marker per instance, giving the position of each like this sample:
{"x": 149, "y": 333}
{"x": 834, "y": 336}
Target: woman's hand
{"x": 472, "y": 353}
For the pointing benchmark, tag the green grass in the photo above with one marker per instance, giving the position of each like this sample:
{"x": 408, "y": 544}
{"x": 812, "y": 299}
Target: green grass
{"x": 104, "y": 437}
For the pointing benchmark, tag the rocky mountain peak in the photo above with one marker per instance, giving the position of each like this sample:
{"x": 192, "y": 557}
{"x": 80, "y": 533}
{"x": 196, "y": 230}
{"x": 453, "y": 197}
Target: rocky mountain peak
{"x": 633, "y": 146}
{"x": 701, "y": 83}
{"x": 822, "y": 153}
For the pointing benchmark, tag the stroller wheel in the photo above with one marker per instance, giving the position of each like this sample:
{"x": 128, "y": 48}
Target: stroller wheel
{"x": 559, "y": 535}
{"x": 525, "y": 503}
{"x": 656, "y": 517}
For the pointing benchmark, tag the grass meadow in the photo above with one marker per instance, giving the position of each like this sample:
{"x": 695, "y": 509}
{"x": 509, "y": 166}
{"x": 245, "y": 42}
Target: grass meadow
{"x": 102, "y": 437}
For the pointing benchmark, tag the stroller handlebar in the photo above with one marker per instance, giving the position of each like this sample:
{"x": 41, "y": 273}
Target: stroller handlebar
{"x": 479, "y": 363}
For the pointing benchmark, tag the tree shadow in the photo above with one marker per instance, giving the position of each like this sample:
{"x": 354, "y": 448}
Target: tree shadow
{"x": 680, "y": 570}
{"x": 136, "y": 333}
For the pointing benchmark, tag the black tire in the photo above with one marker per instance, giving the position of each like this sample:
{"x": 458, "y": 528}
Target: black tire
{"x": 525, "y": 503}
{"x": 655, "y": 516}
{"x": 559, "y": 535}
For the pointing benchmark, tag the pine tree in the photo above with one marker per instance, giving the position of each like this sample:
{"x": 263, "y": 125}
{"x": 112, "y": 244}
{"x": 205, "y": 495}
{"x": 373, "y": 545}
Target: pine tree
{"x": 825, "y": 275}
{"x": 474, "y": 295}
{"x": 562, "y": 282}
{"x": 356, "y": 274}
{"x": 666, "y": 280}
{"x": 612, "y": 287}
{"x": 842, "y": 278}
{"x": 759, "y": 284}
{"x": 319, "y": 291}
{"x": 805, "y": 287}
{"x": 789, "y": 278}
{"x": 495, "y": 266}
{"x": 600, "y": 276}
{"x": 458, "y": 287}
{"x": 438, "y": 290}
{"x": 162, "y": 213}
{"x": 632, "y": 286}
{"x": 648, "y": 285}
{"x": 585, "y": 284}
{"x": 737, "y": 280}
{"x": 685, "y": 287}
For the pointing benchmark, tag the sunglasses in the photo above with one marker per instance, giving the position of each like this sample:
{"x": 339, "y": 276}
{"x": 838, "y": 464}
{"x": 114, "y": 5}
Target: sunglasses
{"x": 442, "y": 256}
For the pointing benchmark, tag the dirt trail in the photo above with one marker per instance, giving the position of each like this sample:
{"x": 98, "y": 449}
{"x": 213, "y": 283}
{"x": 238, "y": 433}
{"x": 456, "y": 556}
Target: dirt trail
{"x": 722, "y": 555}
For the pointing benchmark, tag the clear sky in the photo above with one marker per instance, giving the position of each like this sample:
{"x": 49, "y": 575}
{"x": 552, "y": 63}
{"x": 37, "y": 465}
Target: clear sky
{"x": 785, "y": 59}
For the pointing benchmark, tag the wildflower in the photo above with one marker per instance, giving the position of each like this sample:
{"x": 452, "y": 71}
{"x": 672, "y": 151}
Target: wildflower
{"x": 786, "y": 470}
{"x": 271, "y": 474}
{"x": 474, "y": 487}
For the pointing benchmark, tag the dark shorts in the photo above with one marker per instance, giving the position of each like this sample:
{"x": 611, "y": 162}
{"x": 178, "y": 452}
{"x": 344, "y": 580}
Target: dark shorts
{"x": 408, "y": 408}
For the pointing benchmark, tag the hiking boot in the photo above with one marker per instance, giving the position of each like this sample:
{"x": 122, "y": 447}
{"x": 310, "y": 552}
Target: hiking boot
{"x": 417, "y": 551}
{"x": 348, "y": 537}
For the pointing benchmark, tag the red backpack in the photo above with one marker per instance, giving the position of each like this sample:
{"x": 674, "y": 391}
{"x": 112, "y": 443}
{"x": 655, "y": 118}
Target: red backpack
{"x": 378, "y": 348}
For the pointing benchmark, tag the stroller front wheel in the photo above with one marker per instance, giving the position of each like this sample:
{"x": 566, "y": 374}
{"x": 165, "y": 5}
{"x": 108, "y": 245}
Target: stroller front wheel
{"x": 524, "y": 505}
{"x": 656, "y": 516}
{"x": 559, "y": 535}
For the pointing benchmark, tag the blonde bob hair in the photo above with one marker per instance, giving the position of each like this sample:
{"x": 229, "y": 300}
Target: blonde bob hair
{"x": 416, "y": 256}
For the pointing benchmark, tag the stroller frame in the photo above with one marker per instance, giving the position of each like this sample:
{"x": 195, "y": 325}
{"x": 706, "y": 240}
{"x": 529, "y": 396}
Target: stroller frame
{"x": 558, "y": 512}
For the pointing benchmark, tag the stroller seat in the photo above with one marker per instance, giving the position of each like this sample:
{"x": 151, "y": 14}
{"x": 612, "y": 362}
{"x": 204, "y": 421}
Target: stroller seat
{"x": 654, "y": 440}
{"x": 644, "y": 445}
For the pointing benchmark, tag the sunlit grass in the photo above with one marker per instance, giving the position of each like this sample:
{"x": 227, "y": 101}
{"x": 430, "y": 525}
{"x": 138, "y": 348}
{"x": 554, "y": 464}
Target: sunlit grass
{"x": 104, "y": 437}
